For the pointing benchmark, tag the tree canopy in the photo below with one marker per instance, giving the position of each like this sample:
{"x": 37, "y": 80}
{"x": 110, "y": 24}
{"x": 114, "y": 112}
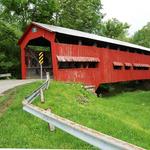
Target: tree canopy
{"x": 113, "y": 28}
{"x": 9, "y": 50}
{"x": 25, "y": 11}
{"x": 80, "y": 14}
{"x": 142, "y": 37}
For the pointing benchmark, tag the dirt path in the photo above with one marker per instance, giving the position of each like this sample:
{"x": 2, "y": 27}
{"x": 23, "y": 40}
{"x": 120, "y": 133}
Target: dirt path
{"x": 6, "y": 85}
{"x": 4, "y": 105}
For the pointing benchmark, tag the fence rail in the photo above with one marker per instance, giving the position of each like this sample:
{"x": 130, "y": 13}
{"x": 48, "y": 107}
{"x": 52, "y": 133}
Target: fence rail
{"x": 88, "y": 135}
{"x": 5, "y": 75}
{"x": 30, "y": 98}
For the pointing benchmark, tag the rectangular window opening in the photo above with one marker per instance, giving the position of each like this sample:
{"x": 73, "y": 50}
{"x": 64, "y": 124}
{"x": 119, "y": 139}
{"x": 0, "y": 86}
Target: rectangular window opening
{"x": 117, "y": 67}
{"x": 66, "y": 62}
{"x": 73, "y": 65}
{"x": 140, "y": 68}
{"x": 127, "y": 67}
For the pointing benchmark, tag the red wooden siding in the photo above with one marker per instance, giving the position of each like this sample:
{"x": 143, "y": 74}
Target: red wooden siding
{"x": 103, "y": 73}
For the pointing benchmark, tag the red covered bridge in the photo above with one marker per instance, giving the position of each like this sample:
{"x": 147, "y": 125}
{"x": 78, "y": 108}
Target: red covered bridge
{"x": 71, "y": 55}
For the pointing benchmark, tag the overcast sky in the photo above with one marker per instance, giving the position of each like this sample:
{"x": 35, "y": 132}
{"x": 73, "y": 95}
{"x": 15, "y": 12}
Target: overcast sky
{"x": 135, "y": 12}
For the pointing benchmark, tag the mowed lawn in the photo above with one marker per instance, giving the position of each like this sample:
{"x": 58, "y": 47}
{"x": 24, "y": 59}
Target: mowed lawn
{"x": 125, "y": 116}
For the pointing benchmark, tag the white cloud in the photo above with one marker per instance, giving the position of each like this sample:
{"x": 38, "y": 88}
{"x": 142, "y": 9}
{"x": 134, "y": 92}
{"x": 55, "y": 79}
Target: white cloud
{"x": 134, "y": 12}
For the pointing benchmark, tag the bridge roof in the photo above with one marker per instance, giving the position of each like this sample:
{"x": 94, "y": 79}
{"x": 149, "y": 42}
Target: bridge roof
{"x": 81, "y": 34}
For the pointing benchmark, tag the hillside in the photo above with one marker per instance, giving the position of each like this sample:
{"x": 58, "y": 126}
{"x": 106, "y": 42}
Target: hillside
{"x": 125, "y": 116}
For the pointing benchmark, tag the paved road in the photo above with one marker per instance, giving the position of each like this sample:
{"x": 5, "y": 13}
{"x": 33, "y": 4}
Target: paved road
{"x": 9, "y": 84}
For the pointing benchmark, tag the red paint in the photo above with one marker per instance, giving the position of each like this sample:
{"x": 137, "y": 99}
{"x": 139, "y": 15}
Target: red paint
{"x": 23, "y": 65}
{"x": 104, "y": 73}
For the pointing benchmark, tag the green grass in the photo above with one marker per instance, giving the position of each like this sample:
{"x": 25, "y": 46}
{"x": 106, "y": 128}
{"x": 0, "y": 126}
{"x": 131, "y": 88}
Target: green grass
{"x": 125, "y": 116}
{"x": 19, "y": 129}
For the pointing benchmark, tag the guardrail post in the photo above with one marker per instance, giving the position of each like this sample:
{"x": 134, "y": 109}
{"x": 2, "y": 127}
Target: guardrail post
{"x": 50, "y": 126}
{"x": 42, "y": 96}
{"x": 48, "y": 79}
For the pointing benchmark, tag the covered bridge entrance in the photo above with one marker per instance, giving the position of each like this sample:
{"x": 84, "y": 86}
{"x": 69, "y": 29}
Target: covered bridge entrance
{"x": 32, "y": 51}
{"x": 32, "y": 43}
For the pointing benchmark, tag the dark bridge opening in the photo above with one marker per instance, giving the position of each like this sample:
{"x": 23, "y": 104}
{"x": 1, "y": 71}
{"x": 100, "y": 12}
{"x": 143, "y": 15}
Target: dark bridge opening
{"x": 33, "y": 48}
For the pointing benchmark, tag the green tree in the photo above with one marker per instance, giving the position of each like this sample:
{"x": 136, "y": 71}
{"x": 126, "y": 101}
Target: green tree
{"x": 142, "y": 37}
{"x": 113, "y": 28}
{"x": 25, "y": 11}
{"x": 9, "y": 50}
{"x": 80, "y": 14}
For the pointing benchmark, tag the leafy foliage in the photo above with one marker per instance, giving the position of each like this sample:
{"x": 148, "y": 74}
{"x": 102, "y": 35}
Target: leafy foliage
{"x": 24, "y": 11}
{"x": 80, "y": 14}
{"x": 9, "y": 50}
{"x": 142, "y": 37}
{"x": 113, "y": 28}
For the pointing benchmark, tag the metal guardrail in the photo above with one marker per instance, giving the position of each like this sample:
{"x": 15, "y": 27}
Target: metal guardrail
{"x": 88, "y": 135}
{"x": 30, "y": 98}
{"x": 5, "y": 75}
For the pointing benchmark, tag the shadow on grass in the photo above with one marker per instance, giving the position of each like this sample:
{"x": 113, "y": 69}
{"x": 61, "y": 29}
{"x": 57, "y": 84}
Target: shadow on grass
{"x": 106, "y": 90}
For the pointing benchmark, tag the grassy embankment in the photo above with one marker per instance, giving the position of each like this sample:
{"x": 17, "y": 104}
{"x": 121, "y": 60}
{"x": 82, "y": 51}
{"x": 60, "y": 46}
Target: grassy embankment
{"x": 125, "y": 116}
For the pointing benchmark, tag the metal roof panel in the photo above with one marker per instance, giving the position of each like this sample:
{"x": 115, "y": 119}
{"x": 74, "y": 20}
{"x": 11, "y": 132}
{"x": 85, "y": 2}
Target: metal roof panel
{"x": 77, "y": 59}
{"x": 77, "y": 33}
{"x": 141, "y": 65}
{"x": 128, "y": 64}
{"x": 117, "y": 63}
